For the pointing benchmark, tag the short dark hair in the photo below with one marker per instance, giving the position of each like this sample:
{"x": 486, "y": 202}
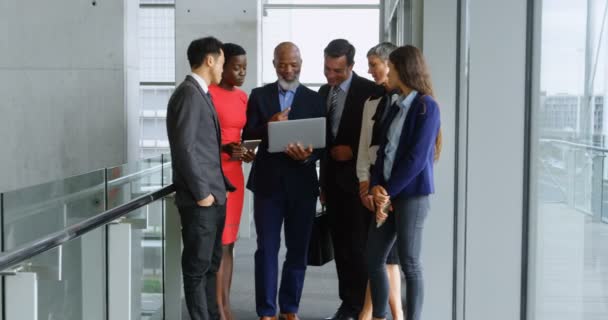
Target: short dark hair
{"x": 232, "y": 50}
{"x": 341, "y": 47}
{"x": 199, "y": 49}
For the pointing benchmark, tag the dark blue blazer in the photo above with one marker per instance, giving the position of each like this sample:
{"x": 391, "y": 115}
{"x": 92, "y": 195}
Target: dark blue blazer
{"x": 412, "y": 172}
{"x": 272, "y": 171}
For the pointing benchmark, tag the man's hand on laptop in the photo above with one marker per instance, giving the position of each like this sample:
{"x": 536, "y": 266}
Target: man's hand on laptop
{"x": 280, "y": 116}
{"x": 298, "y": 152}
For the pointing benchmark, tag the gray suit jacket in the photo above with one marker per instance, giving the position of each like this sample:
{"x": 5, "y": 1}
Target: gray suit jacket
{"x": 195, "y": 140}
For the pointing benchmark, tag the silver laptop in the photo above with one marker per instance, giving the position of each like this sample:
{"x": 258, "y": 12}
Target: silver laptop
{"x": 304, "y": 131}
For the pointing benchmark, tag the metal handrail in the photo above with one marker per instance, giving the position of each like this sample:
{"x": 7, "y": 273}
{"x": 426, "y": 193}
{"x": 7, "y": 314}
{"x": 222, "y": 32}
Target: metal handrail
{"x": 24, "y": 252}
{"x": 290, "y": 6}
{"x": 136, "y": 175}
{"x": 577, "y": 145}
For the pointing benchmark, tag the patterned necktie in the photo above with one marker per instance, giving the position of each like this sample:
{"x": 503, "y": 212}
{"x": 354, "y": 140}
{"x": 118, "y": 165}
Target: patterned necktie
{"x": 332, "y": 113}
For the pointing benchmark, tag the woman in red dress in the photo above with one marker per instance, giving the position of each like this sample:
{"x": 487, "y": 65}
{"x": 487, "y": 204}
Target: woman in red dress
{"x": 231, "y": 106}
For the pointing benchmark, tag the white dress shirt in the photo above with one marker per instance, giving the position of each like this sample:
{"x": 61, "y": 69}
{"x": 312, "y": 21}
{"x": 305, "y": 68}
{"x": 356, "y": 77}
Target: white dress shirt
{"x": 201, "y": 82}
{"x": 367, "y": 154}
{"x": 394, "y": 132}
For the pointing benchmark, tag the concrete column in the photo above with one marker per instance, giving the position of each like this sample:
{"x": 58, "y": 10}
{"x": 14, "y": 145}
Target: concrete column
{"x": 173, "y": 251}
{"x": 438, "y": 40}
{"x": 92, "y": 275}
{"x": 131, "y": 80}
{"x": 22, "y": 302}
{"x": 119, "y": 272}
{"x": 495, "y": 157}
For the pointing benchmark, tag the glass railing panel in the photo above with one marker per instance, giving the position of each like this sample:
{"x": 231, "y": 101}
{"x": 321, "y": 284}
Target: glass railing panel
{"x": 126, "y": 183}
{"x": 34, "y": 212}
{"x": 583, "y": 180}
{"x": 131, "y": 180}
{"x": 167, "y": 171}
{"x": 70, "y": 280}
{"x": 552, "y": 171}
{"x": 605, "y": 188}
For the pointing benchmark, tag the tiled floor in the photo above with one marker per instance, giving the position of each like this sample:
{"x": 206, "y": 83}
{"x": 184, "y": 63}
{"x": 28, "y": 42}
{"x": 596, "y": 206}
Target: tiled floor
{"x": 570, "y": 280}
{"x": 319, "y": 298}
{"x": 571, "y": 266}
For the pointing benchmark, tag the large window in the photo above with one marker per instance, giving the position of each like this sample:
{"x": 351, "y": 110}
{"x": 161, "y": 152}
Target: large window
{"x": 312, "y": 25}
{"x": 157, "y": 72}
{"x": 569, "y": 265}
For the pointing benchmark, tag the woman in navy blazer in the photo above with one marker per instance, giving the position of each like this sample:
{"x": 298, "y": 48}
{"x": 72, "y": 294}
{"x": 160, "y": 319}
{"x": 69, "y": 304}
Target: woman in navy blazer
{"x": 402, "y": 180}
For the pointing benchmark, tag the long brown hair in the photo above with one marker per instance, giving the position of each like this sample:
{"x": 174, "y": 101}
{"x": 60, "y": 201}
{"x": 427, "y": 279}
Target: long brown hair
{"x": 414, "y": 73}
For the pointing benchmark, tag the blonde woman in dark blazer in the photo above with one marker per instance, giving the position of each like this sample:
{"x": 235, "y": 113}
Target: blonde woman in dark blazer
{"x": 374, "y": 112}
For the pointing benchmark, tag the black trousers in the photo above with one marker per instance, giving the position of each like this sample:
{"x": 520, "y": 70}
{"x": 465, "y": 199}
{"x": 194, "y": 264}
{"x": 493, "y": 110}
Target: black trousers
{"x": 202, "y": 229}
{"x": 350, "y": 222}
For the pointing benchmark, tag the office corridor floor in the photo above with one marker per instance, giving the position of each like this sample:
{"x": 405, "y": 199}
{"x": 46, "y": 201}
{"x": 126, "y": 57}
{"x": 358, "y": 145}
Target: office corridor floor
{"x": 319, "y": 299}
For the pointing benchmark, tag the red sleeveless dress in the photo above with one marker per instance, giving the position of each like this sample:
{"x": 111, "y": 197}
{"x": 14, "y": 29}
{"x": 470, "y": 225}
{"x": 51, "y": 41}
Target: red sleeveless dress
{"x": 231, "y": 108}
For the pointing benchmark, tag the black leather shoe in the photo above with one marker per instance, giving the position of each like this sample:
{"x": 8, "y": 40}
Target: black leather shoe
{"x": 338, "y": 315}
{"x": 334, "y": 317}
{"x": 344, "y": 313}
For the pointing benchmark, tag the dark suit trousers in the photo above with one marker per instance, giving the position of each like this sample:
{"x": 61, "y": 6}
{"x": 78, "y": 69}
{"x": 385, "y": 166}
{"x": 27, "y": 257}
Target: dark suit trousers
{"x": 349, "y": 226}
{"x": 270, "y": 213}
{"x": 202, "y": 229}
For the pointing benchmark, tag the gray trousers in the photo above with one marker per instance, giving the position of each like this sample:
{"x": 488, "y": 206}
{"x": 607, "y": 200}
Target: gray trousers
{"x": 404, "y": 225}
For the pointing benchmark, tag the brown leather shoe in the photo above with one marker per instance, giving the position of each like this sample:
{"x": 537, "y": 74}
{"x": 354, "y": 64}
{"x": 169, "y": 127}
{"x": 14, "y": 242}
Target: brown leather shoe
{"x": 268, "y": 318}
{"x": 288, "y": 316}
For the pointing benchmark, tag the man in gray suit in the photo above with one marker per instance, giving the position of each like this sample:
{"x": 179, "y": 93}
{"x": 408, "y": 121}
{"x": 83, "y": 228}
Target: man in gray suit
{"x": 194, "y": 137}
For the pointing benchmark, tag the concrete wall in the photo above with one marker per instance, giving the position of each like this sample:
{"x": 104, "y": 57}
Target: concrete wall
{"x": 62, "y": 83}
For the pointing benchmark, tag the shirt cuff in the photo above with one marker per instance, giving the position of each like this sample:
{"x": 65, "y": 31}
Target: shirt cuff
{"x": 363, "y": 177}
